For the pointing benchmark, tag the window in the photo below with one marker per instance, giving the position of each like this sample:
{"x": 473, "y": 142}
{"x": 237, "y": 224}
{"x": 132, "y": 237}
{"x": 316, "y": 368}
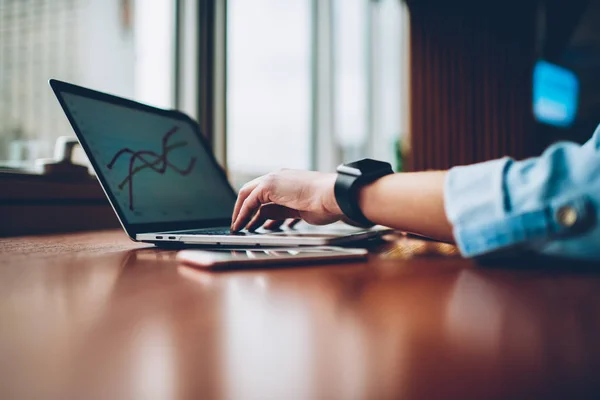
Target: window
{"x": 313, "y": 83}
{"x": 389, "y": 43}
{"x": 350, "y": 74}
{"x": 310, "y": 83}
{"x": 118, "y": 46}
{"x": 268, "y": 86}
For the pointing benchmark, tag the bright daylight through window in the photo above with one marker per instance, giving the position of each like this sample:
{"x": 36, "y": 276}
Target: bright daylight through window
{"x": 118, "y": 46}
{"x": 313, "y": 83}
{"x": 309, "y": 83}
{"x": 269, "y": 86}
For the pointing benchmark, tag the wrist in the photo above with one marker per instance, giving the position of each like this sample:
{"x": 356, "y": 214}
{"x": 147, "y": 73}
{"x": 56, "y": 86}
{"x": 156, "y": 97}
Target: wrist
{"x": 351, "y": 180}
{"x": 367, "y": 198}
{"x": 329, "y": 202}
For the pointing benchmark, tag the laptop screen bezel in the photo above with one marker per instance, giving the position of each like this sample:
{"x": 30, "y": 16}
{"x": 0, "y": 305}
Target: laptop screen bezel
{"x": 132, "y": 229}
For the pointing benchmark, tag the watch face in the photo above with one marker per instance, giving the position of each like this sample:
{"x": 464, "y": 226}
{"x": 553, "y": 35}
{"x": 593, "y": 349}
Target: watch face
{"x": 364, "y": 167}
{"x": 368, "y": 165}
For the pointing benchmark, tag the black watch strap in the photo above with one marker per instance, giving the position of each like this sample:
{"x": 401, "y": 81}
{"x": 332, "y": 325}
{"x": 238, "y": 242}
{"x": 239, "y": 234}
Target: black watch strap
{"x": 351, "y": 178}
{"x": 346, "y": 194}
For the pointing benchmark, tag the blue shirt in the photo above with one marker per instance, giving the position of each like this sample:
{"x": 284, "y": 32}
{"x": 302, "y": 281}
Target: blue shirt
{"x": 548, "y": 204}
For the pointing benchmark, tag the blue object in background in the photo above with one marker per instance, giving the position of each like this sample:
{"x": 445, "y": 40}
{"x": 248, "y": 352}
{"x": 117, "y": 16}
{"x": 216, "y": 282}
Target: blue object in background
{"x": 555, "y": 94}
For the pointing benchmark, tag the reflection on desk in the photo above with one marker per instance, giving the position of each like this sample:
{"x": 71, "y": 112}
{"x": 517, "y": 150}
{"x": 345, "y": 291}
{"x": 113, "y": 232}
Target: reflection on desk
{"x": 415, "y": 321}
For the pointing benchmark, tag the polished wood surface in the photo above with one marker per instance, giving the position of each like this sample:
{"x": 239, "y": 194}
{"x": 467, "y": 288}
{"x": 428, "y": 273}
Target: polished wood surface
{"x": 96, "y": 316}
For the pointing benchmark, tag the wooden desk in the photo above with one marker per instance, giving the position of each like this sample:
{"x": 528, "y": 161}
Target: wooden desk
{"x": 95, "y": 316}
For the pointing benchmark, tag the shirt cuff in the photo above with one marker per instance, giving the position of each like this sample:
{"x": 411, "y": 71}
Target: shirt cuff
{"x": 476, "y": 202}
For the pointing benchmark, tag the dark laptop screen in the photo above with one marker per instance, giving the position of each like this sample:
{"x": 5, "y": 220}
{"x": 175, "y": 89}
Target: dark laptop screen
{"x": 155, "y": 166}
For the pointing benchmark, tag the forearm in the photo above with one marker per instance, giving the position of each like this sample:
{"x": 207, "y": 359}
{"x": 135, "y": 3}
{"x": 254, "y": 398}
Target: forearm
{"x": 411, "y": 202}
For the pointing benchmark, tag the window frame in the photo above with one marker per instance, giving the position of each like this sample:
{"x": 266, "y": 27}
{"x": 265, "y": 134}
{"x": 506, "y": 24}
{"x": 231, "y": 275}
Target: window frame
{"x": 200, "y": 68}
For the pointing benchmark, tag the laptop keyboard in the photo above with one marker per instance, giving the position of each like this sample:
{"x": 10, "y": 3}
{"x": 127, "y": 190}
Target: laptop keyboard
{"x": 217, "y": 231}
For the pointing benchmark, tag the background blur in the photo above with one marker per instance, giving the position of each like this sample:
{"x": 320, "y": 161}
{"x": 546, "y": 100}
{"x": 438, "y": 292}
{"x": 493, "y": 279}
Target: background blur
{"x": 277, "y": 73}
{"x": 109, "y": 45}
{"x": 313, "y": 83}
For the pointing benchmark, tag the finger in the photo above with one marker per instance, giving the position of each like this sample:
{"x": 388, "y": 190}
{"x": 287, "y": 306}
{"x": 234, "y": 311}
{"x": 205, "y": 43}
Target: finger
{"x": 250, "y": 206}
{"x": 243, "y": 194}
{"x": 294, "y": 222}
{"x": 270, "y": 211}
{"x": 273, "y": 224}
{"x": 248, "y": 209}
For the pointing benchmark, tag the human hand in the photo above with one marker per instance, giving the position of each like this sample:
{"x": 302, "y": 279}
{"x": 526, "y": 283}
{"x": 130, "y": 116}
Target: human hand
{"x": 285, "y": 194}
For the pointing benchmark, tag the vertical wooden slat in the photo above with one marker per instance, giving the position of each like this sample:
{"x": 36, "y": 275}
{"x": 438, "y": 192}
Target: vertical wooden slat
{"x": 471, "y": 81}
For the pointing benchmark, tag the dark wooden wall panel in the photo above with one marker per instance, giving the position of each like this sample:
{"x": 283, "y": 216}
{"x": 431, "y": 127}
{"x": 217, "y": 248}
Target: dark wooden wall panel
{"x": 471, "y": 77}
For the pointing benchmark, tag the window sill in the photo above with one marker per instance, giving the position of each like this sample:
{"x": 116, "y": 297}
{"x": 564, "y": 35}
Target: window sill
{"x": 31, "y": 203}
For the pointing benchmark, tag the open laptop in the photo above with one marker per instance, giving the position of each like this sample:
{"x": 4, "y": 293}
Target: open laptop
{"x": 162, "y": 179}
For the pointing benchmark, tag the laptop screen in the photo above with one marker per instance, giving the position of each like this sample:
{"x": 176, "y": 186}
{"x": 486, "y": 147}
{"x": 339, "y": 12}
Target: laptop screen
{"x": 155, "y": 166}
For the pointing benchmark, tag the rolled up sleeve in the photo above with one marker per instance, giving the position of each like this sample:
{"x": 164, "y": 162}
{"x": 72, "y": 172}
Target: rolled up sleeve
{"x": 548, "y": 204}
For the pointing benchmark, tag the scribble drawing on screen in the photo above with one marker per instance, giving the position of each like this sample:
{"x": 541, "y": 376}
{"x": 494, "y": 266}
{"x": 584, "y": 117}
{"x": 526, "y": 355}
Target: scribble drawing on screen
{"x": 149, "y": 159}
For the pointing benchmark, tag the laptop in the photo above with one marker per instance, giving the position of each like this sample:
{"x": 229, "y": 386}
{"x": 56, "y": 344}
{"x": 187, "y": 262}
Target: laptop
{"x": 162, "y": 179}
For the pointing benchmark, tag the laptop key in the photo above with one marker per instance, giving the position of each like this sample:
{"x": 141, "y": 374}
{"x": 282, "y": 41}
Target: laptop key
{"x": 216, "y": 231}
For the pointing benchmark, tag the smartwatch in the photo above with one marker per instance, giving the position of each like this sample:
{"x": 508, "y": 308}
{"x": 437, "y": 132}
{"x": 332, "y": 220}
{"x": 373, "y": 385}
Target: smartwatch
{"x": 351, "y": 177}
